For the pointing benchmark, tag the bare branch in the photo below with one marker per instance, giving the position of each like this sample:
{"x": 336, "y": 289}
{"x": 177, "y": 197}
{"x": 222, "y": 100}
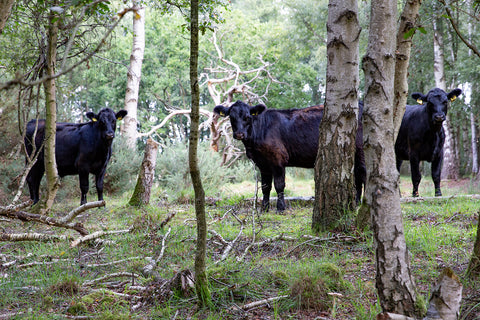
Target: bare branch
{"x": 75, "y": 212}
{"x": 96, "y": 235}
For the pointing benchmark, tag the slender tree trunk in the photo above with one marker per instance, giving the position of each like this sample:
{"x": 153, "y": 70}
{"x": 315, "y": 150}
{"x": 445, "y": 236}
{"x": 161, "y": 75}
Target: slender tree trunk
{"x": 474, "y": 144}
{"x": 53, "y": 180}
{"x": 146, "y": 176}
{"x": 129, "y": 128}
{"x": 5, "y": 9}
{"x": 450, "y": 167}
{"x": 394, "y": 281}
{"x": 474, "y": 265}
{"x": 201, "y": 281}
{"x": 408, "y": 20}
{"x": 334, "y": 179}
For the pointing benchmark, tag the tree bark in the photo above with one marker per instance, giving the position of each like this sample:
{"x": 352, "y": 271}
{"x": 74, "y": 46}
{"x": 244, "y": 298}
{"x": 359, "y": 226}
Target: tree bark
{"x": 408, "y": 20}
{"x": 394, "y": 281}
{"x": 53, "y": 181}
{"x": 450, "y": 168}
{"x": 146, "y": 176}
{"x": 446, "y": 297}
{"x": 474, "y": 144}
{"x": 201, "y": 281}
{"x": 129, "y": 128}
{"x": 474, "y": 265}
{"x": 5, "y": 9}
{"x": 334, "y": 178}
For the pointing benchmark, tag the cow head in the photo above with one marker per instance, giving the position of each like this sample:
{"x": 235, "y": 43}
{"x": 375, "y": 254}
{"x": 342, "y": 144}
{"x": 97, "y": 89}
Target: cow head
{"x": 106, "y": 121}
{"x": 241, "y": 117}
{"x": 437, "y": 102}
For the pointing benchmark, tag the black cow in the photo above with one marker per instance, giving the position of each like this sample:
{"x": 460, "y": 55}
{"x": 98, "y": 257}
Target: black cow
{"x": 421, "y": 135}
{"x": 81, "y": 149}
{"x": 275, "y": 139}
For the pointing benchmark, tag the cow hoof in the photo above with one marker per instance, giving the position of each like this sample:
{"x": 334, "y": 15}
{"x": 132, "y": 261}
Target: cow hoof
{"x": 415, "y": 194}
{"x": 438, "y": 194}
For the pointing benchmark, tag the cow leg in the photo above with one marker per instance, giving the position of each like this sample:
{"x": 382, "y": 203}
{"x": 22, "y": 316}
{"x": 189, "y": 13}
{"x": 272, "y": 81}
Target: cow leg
{"x": 416, "y": 175}
{"x": 360, "y": 173}
{"x": 279, "y": 182}
{"x": 99, "y": 185}
{"x": 436, "y": 175}
{"x": 34, "y": 178}
{"x": 266, "y": 188}
{"x": 83, "y": 178}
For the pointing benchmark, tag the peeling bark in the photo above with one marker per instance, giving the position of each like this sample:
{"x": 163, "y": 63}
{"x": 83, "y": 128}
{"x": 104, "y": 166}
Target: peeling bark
{"x": 334, "y": 179}
{"x": 394, "y": 281}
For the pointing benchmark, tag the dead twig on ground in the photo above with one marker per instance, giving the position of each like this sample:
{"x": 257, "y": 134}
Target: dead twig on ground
{"x": 32, "y": 237}
{"x": 110, "y": 276}
{"x": 96, "y": 235}
{"x": 149, "y": 269}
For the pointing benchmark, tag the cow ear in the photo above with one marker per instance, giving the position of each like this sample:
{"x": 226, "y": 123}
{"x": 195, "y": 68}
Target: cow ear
{"x": 454, "y": 94}
{"x": 221, "y": 111}
{"x": 256, "y": 110}
{"x": 419, "y": 97}
{"x": 92, "y": 116}
{"x": 121, "y": 114}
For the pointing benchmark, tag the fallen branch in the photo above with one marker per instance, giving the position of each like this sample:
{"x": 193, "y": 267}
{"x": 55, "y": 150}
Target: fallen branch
{"x": 149, "y": 269}
{"x": 421, "y": 199}
{"x": 42, "y": 263}
{"x": 266, "y": 241}
{"x": 123, "y": 295}
{"x": 167, "y": 219}
{"x": 96, "y": 235}
{"x": 111, "y": 263}
{"x": 27, "y": 216}
{"x": 75, "y": 212}
{"x": 110, "y": 276}
{"x": 392, "y": 316}
{"x": 255, "y": 304}
{"x": 32, "y": 237}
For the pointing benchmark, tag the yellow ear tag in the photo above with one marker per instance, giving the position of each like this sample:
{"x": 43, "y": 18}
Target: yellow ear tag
{"x": 453, "y": 98}
{"x": 94, "y": 119}
{"x": 222, "y": 113}
{"x": 120, "y": 118}
{"x": 255, "y": 114}
{"x": 419, "y": 101}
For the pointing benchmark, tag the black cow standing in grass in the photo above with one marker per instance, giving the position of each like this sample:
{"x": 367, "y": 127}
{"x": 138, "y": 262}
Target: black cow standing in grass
{"x": 81, "y": 148}
{"x": 421, "y": 136}
{"x": 275, "y": 139}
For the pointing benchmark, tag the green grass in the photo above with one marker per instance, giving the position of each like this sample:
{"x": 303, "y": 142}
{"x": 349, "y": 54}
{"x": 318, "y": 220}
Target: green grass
{"x": 438, "y": 233}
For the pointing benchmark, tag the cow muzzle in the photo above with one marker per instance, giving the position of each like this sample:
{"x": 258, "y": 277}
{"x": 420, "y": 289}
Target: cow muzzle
{"x": 239, "y": 135}
{"x": 439, "y": 118}
{"x": 110, "y": 136}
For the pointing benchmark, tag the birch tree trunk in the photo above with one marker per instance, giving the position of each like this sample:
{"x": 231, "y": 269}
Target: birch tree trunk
{"x": 394, "y": 281}
{"x": 53, "y": 181}
{"x": 5, "y": 10}
{"x": 146, "y": 176}
{"x": 334, "y": 179}
{"x": 129, "y": 128}
{"x": 408, "y": 20}
{"x": 201, "y": 281}
{"x": 450, "y": 166}
{"x": 473, "y": 129}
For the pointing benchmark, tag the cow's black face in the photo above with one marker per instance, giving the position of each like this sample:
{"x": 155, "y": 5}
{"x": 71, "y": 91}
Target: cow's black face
{"x": 437, "y": 103}
{"x": 106, "y": 122}
{"x": 241, "y": 117}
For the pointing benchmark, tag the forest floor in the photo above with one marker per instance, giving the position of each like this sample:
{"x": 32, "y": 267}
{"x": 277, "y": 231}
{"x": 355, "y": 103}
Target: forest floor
{"x": 251, "y": 257}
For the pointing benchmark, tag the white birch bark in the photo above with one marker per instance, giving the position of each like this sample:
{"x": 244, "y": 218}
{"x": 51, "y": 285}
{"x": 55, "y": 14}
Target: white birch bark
{"x": 334, "y": 180}
{"x": 394, "y": 281}
{"x": 129, "y": 129}
{"x": 449, "y": 167}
